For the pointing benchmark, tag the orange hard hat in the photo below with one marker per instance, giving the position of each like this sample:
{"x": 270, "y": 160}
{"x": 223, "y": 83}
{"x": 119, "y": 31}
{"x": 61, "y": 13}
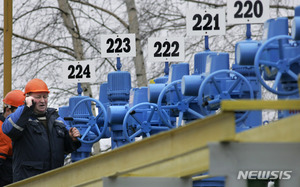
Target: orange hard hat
{"x": 14, "y": 98}
{"x": 36, "y": 85}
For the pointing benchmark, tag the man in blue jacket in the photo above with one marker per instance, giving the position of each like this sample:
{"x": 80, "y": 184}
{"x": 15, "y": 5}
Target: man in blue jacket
{"x": 40, "y": 137}
{"x": 12, "y": 100}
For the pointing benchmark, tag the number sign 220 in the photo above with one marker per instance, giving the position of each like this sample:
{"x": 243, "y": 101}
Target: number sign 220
{"x": 79, "y": 71}
{"x": 253, "y": 9}
{"x": 118, "y": 45}
{"x": 247, "y": 11}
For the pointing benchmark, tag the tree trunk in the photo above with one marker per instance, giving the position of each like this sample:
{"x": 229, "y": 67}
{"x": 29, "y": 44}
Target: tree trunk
{"x": 72, "y": 27}
{"x": 139, "y": 59}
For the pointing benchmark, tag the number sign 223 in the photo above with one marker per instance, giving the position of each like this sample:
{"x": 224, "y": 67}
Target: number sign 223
{"x": 118, "y": 45}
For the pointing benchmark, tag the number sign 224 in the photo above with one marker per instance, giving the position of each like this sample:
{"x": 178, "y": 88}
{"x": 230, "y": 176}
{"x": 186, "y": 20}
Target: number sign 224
{"x": 79, "y": 71}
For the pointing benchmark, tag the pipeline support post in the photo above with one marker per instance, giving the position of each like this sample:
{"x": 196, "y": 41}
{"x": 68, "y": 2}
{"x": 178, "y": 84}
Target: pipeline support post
{"x": 299, "y": 83}
{"x": 146, "y": 182}
{"x": 242, "y": 162}
{"x": 7, "y": 45}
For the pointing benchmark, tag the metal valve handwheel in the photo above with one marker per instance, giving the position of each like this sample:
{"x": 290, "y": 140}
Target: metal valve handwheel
{"x": 213, "y": 89}
{"x": 181, "y": 104}
{"x": 282, "y": 66}
{"x": 134, "y": 125}
{"x": 88, "y": 120}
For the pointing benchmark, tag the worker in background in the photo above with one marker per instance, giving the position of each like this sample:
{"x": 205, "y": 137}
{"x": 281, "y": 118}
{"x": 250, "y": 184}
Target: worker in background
{"x": 40, "y": 137}
{"x": 12, "y": 100}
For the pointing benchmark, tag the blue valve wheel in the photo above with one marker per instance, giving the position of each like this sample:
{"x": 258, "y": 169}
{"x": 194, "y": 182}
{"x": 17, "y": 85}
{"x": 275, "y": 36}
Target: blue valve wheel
{"x": 281, "y": 66}
{"x": 180, "y": 103}
{"x": 82, "y": 114}
{"x": 222, "y": 85}
{"x": 134, "y": 124}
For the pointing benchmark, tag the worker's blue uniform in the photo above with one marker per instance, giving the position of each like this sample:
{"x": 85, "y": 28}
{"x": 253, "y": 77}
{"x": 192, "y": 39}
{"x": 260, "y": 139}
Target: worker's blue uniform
{"x": 36, "y": 148}
{"x": 5, "y": 157}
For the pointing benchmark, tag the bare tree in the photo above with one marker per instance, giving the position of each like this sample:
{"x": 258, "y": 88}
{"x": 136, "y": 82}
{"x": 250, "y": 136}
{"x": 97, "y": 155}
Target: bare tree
{"x": 47, "y": 33}
{"x": 72, "y": 26}
{"x": 134, "y": 28}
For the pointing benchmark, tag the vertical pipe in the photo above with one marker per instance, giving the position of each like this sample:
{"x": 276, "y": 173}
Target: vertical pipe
{"x": 7, "y": 46}
{"x": 206, "y": 43}
{"x": 299, "y": 83}
{"x": 79, "y": 89}
{"x": 119, "y": 65}
{"x": 166, "y": 70}
{"x": 248, "y": 32}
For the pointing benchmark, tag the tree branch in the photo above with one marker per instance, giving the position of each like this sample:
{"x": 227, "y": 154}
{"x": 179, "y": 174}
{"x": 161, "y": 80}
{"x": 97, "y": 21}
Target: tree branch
{"x": 36, "y": 9}
{"x": 206, "y": 3}
{"x": 223, "y": 5}
{"x": 104, "y": 10}
{"x": 58, "y": 48}
{"x": 95, "y": 48}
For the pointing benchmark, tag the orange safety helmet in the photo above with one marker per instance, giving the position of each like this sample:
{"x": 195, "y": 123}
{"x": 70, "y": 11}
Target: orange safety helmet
{"x": 36, "y": 85}
{"x": 14, "y": 98}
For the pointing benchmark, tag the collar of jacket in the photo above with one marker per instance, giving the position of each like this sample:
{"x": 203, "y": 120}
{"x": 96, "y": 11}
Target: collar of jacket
{"x": 2, "y": 118}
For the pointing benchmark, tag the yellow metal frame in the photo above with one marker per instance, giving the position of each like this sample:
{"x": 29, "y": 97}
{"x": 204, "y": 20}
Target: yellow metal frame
{"x": 284, "y": 130}
{"x": 7, "y": 6}
{"x": 228, "y": 105}
{"x": 299, "y": 83}
{"x": 180, "y": 152}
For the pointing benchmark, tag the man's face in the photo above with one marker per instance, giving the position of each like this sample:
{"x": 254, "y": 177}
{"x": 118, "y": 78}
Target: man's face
{"x": 8, "y": 111}
{"x": 41, "y": 102}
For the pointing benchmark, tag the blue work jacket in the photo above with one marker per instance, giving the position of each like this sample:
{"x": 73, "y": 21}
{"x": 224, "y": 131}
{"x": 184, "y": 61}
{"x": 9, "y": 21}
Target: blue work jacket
{"x": 37, "y": 149}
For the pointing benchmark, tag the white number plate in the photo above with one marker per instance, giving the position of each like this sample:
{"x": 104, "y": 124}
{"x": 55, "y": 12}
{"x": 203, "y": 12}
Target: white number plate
{"x": 118, "y": 45}
{"x": 79, "y": 71}
{"x": 247, "y": 11}
{"x": 206, "y": 22}
{"x": 166, "y": 49}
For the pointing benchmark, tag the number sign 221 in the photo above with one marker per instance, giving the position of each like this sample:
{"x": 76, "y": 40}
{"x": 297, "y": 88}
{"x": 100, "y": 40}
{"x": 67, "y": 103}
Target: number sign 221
{"x": 206, "y": 22}
{"x": 79, "y": 71}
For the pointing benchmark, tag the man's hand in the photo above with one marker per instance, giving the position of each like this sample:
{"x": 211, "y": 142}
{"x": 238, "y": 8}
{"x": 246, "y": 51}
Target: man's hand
{"x": 74, "y": 133}
{"x": 29, "y": 101}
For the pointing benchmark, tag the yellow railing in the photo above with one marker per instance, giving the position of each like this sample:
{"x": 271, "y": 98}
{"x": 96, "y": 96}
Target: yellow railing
{"x": 180, "y": 152}
{"x": 299, "y": 83}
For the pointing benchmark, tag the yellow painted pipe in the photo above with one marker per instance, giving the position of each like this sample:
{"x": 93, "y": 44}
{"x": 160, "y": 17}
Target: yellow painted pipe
{"x": 299, "y": 83}
{"x": 235, "y": 105}
{"x": 285, "y": 130}
{"x": 180, "y": 152}
{"x": 7, "y": 45}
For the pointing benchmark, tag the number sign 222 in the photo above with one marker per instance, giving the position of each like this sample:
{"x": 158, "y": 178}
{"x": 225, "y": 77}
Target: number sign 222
{"x": 166, "y": 49}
